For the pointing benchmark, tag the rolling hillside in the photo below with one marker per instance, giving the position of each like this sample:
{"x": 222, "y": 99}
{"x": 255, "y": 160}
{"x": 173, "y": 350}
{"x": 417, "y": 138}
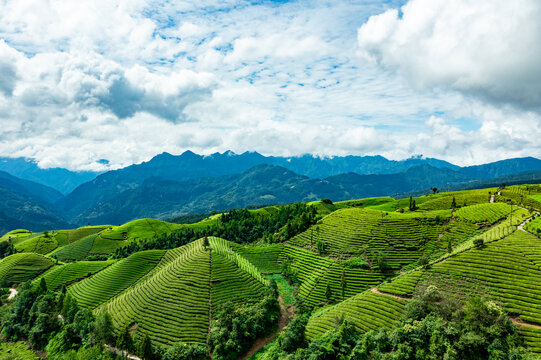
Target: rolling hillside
{"x": 360, "y": 260}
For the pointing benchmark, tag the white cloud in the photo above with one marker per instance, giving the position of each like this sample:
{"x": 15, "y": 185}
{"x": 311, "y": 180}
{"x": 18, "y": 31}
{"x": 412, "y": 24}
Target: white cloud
{"x": 125, "y": 80}
{"x": 486, "y": 48}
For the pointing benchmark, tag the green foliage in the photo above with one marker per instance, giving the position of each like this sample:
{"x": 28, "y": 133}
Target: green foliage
{"x": 99, "y": 288}
{"x": 124, "y": 340}
{"x": 355, "y": 232}
{"x": 489, "y": 213}
{"x": 382, "y": 261}
{"x": 6, "y": 249}
{"x": 241, "y": 226}
{"x": 18, "y": 268}
{"x": 66, "y": 274}
{"x": 321, "y": 247}
{"x": 433, "y": 328}
{"x": 16, "y": 351}
{"x": 144, "y": 348}
{"x": 234, "y": 328}
{"x": 478, "y": 242}
{"x": 357, "y": 262}
{"x": 403, "y": 285}
{"x": 104, "y": 329}
{"x": 182, "y": 351}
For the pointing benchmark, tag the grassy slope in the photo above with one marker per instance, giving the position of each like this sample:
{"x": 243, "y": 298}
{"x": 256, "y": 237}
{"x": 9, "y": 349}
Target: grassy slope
{"x": 172, "y": 302}
{"x": 18, "y": 268}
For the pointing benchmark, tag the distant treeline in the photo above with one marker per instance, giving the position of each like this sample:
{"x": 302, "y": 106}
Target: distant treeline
{"x": 241, "y": 226}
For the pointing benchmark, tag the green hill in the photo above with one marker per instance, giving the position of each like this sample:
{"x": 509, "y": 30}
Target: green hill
{"x": 362, "y": 261}
{"x": 18, "y": 268}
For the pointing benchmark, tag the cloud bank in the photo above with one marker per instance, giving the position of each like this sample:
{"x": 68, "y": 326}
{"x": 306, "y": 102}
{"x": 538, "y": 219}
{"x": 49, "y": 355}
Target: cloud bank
{"x": 82, "y": 81}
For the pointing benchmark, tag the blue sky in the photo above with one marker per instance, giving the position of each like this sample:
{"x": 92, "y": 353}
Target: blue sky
{"x": 82, "y": 81}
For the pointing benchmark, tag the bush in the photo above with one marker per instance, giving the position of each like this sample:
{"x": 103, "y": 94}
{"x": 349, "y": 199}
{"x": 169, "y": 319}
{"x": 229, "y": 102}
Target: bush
{"x": 326, "y": 201}
{"x": 478, "y": 242}
{"x": 182, "y": 351}
{"x": 357, "y": 262}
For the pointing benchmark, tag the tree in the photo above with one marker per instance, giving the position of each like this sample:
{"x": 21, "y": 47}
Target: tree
{"x": 453, "y": 203}
{"x": 320, "y": 244}
{"x": 144, "y": 348}
{"x": 382, "y": 261}
{"x": 182, "y": 351}
{"x": 69, "y": 308}
{"x": 293, "y": 337}
{"x": 273, "y": 286}
{"x": 124, "y": 340}
{"x": 103, "y": 328}
{"x": 43, "y": 285}
{"x": 328, "y": 292}
{"x": 434, "y": 190}
{"x": 206, "y": 244}
{"x": 449, "y": 247}
{"x": 411, "y": 203}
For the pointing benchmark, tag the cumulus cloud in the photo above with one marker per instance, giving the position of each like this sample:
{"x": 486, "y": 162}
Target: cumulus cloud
{"x": 106, "y": 83}
{"x": 485, "y": 48}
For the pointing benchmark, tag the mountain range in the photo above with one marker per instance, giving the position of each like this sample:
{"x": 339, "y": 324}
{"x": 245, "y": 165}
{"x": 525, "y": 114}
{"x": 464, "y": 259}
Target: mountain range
{"x": 169, "y": 185}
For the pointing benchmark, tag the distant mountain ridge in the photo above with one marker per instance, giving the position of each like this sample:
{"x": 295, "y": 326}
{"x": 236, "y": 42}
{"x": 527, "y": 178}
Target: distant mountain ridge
{"x": 62, "y": 180}
{"x": 261, "y": 185}
{"x": 25, "y": 204}
{"x": 169, "y": 185}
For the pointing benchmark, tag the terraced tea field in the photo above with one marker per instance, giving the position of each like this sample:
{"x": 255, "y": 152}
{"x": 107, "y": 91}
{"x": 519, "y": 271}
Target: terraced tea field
{"x": 170, "y": 304}
{"x": 510, "y": 274}
{"x": 101, "y": 287}
{"x": 19, "y": 268}
{"x": 69, "y": 273}
{"x": 485, "y": 213}
{"x": 366, "y": 231}
{"x": 367, "y": 311}
{"x": 171, "y": 294}
{"x": 316, "y": 272}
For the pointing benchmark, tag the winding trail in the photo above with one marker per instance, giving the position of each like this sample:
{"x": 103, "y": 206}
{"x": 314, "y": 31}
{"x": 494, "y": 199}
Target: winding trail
{"x": 521, "y": 226}
{"x": 286, "y": 313}
{"x": 397, "y": 297}
{"x": 12, "y": 293}
{"x": 519, "y": 322}
{"x": 122, "y": 353}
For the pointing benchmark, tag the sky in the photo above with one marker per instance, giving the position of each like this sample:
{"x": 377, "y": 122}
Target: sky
{"x": 101, "y": 84}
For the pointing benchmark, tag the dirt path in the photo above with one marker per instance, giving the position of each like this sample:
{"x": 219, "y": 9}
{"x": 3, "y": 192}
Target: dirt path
{"x": 398, "y": 297}
{"x": 519, "y": 322}
{"x": 286, "y": 313}
{"x": 12, "y": 293}
{"x": 123, "y": 353}
{"x": 491, "y": 199}
{"x": 521, "y": 226}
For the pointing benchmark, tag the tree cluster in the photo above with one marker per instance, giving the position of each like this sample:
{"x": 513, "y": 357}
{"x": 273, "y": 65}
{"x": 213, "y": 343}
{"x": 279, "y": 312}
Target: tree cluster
{"x": 433, "y": 328}
{"x": 241, "y": 226}
{"x": 53, "y": 321}
{"x": 234, "y": 328}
